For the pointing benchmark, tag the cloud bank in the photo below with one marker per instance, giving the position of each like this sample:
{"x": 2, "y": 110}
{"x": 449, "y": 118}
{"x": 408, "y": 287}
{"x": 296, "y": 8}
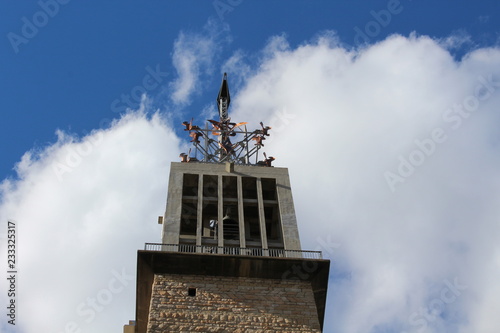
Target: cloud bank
{"x": 399, "y": 144}
{"x": 393, "y": 156}
{"x": 82, "y": 209}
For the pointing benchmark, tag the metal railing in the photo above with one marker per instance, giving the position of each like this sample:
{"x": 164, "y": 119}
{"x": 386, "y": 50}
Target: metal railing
{"x": 230, "y": 250}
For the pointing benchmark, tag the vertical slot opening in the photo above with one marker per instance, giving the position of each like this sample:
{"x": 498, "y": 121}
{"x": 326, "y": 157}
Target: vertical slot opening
{"x": 229, "y": 188}
{"x": 210, "y": 186}
{"x": 209, "y": 219}
{"x": 189, "y": 217}
{"x": 190, "y": 185}
{"x": 230, "y": 222}
{"x": 210, "y": 210}
{"x": 252, "y": 225}
{"x": 273, "y": 225}
{"x": 249, "y": 187}
{"x": 269, "y": 189}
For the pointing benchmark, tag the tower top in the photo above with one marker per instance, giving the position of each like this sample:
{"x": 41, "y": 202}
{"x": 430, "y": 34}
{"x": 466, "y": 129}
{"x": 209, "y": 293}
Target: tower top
{"x": 215, "y": 145}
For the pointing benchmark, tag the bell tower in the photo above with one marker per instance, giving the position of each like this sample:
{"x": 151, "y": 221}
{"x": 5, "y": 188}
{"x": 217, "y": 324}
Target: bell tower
{"x": 230, "y": 258}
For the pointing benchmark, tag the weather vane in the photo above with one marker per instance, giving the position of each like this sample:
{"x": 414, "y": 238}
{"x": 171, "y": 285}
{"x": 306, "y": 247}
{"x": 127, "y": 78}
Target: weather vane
{"x": 215, "y": 143}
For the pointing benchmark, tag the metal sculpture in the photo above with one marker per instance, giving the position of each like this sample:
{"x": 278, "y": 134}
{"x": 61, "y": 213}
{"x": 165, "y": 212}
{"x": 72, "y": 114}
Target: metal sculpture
{"x": 215, "y": 144}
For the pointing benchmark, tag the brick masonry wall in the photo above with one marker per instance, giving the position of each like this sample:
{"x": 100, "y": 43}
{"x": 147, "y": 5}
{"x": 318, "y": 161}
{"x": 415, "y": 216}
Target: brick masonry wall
{"x": 232, "y": 305}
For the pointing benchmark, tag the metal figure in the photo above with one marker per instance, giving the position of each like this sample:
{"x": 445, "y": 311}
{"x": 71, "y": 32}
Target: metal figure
{"x": 185, "y": 158}
{"x": 265, "y": 129}
{"x": 189, "y": 126}
{"x": 217, "y": 146}
{"x": 259, "y": 140}
{"x": 217, "y": 126}
{"x": 195, "y": 136}
{"x": 267, "y": 162}
{"x": 225, "y": 127}
{"x": 227, "y": 146}
{"x": 235, "y": 125}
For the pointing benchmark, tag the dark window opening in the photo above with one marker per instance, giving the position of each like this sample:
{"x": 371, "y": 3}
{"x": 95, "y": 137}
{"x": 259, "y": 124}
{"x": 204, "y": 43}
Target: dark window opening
{"x": 268, "y": 189}
{"x": 188, "y": 227}
{"x": 252, "y": 224}
{"x": 229, "y": 185}
{"x": 210, "y": 186}
{"x": 192, "y": 292}
{"x": 209, "y": 218}
{"x": 190, "y": 185}
{"x": 230, "y": 223}
{"x": 249, "y": 187}
{"x": 189, "y": 217}
{"x": 273, "y": 225}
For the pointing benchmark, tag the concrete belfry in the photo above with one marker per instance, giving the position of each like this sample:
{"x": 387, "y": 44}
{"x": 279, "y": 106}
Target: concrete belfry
{"x": 230, "y": 258}
{"x": 247, "y": 207}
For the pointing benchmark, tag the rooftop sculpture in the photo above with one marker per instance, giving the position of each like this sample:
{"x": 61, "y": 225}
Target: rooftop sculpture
{"x": 215, "y": 141}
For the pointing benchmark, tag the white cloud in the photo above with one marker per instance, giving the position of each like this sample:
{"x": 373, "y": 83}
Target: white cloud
{"x": 237, "y": 69}
{"x": 342, "y": 120}
{"x": 83, "y": 208}
{"x": 193, "y": 59}
{"x": 457, "y": 40}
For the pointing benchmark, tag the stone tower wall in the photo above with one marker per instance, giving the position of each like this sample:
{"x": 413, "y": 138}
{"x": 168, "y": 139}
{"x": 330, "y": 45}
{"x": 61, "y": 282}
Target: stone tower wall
{"x": 231, "y": 304}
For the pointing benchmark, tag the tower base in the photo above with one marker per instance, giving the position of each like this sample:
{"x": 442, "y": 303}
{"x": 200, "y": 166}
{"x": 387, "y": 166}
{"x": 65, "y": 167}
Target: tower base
{"x": 195, "y": 303}
{"x": 195, "y": 292}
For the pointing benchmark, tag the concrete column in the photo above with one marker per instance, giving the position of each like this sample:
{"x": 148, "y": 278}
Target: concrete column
{"x": 289, "y": 227}
{"x": 172, "y": 219}
{"x": 262, "y": 217}
{"x": 199, "y": 226}
{"x": 220, "y": 210}
{"x": 241, "y": 215}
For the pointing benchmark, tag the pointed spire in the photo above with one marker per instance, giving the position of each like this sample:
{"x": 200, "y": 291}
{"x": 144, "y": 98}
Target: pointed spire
{"x": 223, "y": 99}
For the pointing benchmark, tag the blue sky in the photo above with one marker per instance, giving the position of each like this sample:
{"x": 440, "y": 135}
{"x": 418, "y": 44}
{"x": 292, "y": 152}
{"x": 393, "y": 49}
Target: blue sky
{"x": 67, "y": 75}
{"x": 394, "y": 103}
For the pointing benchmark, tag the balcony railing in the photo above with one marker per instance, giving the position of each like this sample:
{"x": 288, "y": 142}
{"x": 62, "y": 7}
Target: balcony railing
{"x": 239, "y": 251}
